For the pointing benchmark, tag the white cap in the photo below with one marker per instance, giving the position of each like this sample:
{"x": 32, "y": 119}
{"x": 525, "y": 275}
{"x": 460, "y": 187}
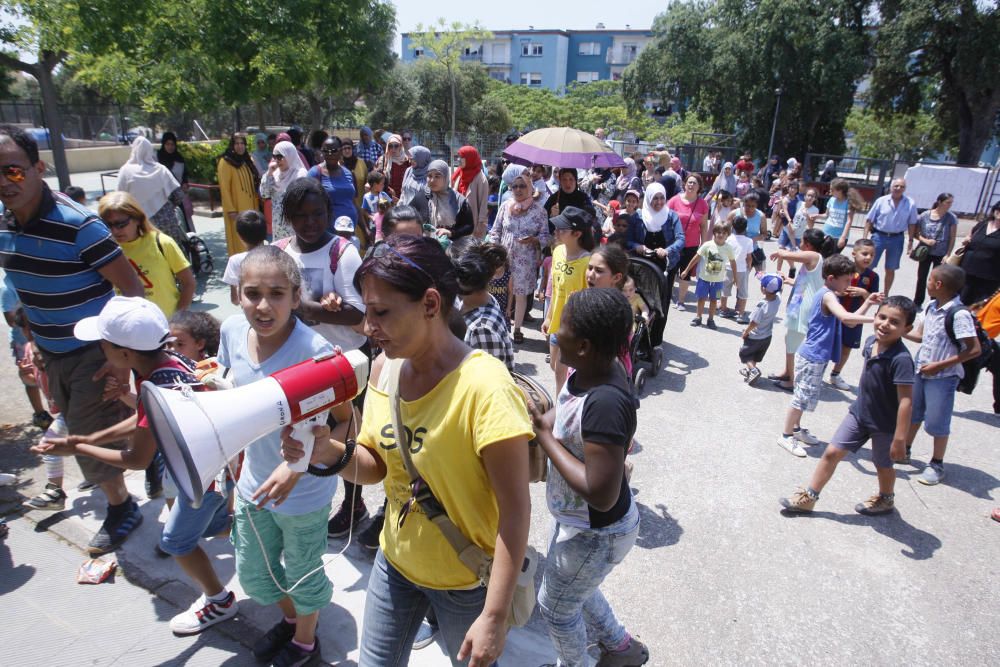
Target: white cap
{"x": 127, "y": 321}
{"x": 343, "y": 224}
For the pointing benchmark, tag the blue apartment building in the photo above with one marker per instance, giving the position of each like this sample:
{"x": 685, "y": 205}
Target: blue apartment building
{"x": 551, "y": 58}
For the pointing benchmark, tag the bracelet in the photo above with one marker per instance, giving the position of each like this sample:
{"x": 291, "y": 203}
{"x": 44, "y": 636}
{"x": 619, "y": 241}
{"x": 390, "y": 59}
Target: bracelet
{"x": 349, "y": 446}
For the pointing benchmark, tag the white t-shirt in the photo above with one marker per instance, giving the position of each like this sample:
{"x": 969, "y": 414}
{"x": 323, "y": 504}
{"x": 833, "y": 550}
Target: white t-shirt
{"x": 801, "y": 220}
{"x": 317, "y": 282}
{"x": 742, "y": 245}
{"x": 232, "y": 274}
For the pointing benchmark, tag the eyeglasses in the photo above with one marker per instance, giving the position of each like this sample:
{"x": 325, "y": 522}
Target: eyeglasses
{"x": 394, "y": 145}
{"x": 383, "y": 248}
{"x": 14, "y": 173}
{"x": 518, "y": 186}
{"x": 278, "y": 156}
{"x": 331, "y": 151}
{"x": 121, "y": 224}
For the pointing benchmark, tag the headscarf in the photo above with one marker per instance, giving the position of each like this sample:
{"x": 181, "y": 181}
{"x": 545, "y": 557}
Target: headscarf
{"x": 293, "y": 167}
{"x": 473, "y": 167}
{"x": 146, "y": 179}
{"x": 395, "y": 159}
{"x": 726, "y": 182}
{"x": 234, "y": 158}
{"x": 367, "y": 130}
{"x": 165, "y": 158}
{"x": 443, "y": 206}
{"x": 350, "y": 162}
{"x": 284, "y": 136}
{"x": 654, "y": 220}
{"x": 261, "y": 157}
{"x": 510, "y": 174}
{"x": 628, "y": 173}
{"x": 415, "y": 177}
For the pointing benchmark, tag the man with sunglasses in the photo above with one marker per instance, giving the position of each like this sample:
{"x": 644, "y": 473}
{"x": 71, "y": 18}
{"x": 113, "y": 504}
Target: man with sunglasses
{"x": 65, "y": 265}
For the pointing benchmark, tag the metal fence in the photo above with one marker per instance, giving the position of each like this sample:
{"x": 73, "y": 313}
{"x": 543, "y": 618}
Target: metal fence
{"x": 490, "y": 146}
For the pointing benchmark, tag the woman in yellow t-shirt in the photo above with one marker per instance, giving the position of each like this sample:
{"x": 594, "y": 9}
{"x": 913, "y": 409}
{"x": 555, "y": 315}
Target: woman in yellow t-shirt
{"x": 468, "y": 428}
{"x": 164, "y": 271}
{"x": 574, "y": 236}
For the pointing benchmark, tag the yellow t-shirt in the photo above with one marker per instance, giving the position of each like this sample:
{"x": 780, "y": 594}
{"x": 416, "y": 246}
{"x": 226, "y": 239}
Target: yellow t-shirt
{"x": 156, "y": 268}
{"x": 567, "y": 277}
{"x": 472, "y": 407}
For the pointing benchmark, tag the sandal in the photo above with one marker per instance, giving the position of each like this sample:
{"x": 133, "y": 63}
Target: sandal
{"x": 518, "y": 336}
{"x": 996, "y": 514}
{"x": 778, "y": 377}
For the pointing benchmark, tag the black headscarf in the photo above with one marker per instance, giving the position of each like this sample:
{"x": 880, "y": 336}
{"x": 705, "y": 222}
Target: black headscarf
{"x": 237, "y": 160}
{"x": 350, "y": 162}
{"x": 165, "y": 158}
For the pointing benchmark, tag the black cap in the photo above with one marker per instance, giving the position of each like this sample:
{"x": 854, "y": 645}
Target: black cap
{"x": 572, "y": 218}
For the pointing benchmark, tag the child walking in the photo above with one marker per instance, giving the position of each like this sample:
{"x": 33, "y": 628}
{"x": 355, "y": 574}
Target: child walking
{"x": 864, "y": 281}
{"x": 288, "y": 510}
{"x": 880, "y": 413}
{"x": 712, "y": 272}
{"x": 943, "y": 350}
{"x": 821, "y": 345}
{"x": 742, "y": 246}
{"x": 597, "y": 521}
{"x": 252, "y": 230}
{"x": 757, "y": 335}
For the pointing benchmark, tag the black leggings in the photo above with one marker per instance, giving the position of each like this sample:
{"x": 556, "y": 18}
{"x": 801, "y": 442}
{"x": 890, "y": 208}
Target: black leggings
{"x": 687, "y": 254}
{"x": 924, "y": 270}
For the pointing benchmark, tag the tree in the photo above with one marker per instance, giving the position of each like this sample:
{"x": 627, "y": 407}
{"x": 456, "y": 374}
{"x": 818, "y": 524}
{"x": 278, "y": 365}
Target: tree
{"x": 941, "y": 55}
{"x": 908, "y": 136}
{"x": 446, "y": 45}
{"x": 726, "y": 59}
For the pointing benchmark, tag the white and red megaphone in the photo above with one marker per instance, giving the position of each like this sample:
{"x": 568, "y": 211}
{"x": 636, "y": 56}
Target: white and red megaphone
{"x": 199, "y": 432}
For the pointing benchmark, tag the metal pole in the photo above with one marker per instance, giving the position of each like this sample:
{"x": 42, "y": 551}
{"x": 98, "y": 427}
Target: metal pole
{"x": 774, "y": 125}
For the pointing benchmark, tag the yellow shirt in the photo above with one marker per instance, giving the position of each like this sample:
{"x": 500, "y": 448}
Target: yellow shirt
{"x": 472, "y": 407}
{"x": 567, "y": 277}
{"x": 156, "y": 268}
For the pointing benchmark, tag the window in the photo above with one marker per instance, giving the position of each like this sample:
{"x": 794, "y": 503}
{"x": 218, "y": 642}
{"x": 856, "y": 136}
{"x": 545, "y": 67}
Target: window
{"x": 472, "y": 50}
{"x": 417, "y": 52}
{"x": 531, "y": 78}
{"x": 499, "y": 76}
{"x": 531, "y": 49}
{"x": 630, "y": 51}
{"x": 586, "y": 77}
{"x": 590, "y": 48}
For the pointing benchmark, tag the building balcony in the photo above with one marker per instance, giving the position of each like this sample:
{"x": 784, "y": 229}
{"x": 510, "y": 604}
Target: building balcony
{"x": 621, "y": 58}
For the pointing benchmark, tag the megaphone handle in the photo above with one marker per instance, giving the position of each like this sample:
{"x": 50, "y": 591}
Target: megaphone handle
{"x": 302, "y": 431}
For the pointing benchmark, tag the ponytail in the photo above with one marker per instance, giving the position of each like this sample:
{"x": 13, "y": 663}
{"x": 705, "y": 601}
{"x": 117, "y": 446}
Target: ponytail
{"x": 820, "y": 242}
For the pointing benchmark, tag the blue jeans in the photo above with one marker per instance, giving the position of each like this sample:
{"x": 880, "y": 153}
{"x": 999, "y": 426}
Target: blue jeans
{"x": 577, "y": 563}
{"x": 933, "y": 403}
{"x": 186, "y": 525}
{"x": 394, "y": 608}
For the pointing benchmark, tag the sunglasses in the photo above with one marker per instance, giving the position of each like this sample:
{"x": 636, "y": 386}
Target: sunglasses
{"x": 394, "y": 145}
{"x": 119, "y": 225}
{"x": 382, "y": 249}
{"x": 278, "y": 156}
{"x": 331, "y": 151}
{"x": 518, "y": 186}
{"x": 407, "y": 138}
{"x": 13, "y": 173}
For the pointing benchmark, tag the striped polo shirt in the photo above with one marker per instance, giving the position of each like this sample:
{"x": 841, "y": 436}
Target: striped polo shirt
{"x": 52, "y": 262}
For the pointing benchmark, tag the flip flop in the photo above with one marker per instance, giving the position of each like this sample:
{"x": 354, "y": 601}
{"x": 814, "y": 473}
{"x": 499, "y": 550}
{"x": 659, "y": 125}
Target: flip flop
{"x": 777, "y": 378}
{"x": 996, "y": 514}
{"x": 781, "y": 385}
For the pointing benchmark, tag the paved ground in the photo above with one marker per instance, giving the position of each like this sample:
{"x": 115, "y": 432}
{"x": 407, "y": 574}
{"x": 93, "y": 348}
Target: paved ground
{"x": 718, "y": 576}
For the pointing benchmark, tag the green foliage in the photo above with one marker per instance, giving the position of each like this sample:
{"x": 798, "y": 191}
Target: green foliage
{"x": 910, "y": 136}
{"x": 202, "y": 160}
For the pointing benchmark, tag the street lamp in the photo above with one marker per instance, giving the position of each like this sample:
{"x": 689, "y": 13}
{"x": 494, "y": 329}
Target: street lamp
{"x": 774, "y": 125}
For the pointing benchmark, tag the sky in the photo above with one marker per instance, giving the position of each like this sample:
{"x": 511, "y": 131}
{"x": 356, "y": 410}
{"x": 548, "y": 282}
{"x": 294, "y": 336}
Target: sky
{"x": 519, "y": 14}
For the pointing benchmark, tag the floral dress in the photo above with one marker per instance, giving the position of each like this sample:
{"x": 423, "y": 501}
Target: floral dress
{"x": 513, "y": 224}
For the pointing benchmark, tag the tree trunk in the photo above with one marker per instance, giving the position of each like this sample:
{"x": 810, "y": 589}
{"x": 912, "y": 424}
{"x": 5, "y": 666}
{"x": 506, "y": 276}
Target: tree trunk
{"x": 316, "y": 110}
{"x": 260, "y": 116}
{"x": 53, "y": 121}
{"x": 975, "y": 127}
{"x": 454, "y": 105}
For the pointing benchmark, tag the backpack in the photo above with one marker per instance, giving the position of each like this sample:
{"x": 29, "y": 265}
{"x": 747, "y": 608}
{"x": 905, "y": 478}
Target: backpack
{"x": 337, "y": 249}
{"x": 972, "y": 367}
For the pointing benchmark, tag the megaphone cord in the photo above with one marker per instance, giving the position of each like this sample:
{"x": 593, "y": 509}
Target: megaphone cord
{"x": 260, "y": 542}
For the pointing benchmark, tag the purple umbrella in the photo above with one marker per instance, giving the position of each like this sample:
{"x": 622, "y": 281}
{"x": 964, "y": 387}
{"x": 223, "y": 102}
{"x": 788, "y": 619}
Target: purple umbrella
{"x": 563, "y": 147}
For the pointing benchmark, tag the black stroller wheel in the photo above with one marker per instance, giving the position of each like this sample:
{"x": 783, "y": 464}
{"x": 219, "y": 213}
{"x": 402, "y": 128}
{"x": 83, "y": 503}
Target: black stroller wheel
{"x": 640, "y": 380}
{"x": 657, "y": 361}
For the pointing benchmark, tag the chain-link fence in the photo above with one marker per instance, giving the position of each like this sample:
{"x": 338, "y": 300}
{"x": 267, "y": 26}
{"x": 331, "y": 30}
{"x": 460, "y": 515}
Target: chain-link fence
{"x": 490, "y": 146}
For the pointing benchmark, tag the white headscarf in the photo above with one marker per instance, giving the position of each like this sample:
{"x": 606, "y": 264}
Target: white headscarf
{"x": 654, "y": 219}
{"x": 624, "y": 181}
{"x": 511, "y": 174}
{"x": 293, "y": 167}
{"x": 146, "y": 179}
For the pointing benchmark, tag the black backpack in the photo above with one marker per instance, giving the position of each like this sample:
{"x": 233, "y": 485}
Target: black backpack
{"x": 972, "y": 367}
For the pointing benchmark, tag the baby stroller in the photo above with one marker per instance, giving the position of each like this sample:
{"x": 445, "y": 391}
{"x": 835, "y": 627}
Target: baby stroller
{"x": 194, "y": 247}
{"x": 645, "y": 350}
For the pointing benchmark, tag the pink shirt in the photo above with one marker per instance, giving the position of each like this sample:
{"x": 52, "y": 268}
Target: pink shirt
{"x": 691, "y": 215}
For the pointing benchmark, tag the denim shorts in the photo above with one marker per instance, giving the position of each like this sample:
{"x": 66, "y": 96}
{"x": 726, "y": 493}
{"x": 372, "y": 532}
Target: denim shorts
{"x": 892, "y": 246}
{"x": 186, "y": 525}
{"x": 933, "y": 403}
{"x": 851, "y": 436}
{"x": 553, "y": 340}
{"x": 707, "y": 290}
{"x": 785, "y": 241}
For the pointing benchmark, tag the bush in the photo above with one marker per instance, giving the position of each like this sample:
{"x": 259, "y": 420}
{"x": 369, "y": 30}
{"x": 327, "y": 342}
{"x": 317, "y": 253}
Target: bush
{"x": 202, "y": 160}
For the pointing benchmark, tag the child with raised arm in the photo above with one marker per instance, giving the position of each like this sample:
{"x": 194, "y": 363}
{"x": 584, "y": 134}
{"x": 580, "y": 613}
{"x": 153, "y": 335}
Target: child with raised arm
{"x": 712, "y": 272}
{"x": 864, "y": 281}
{"x": 880, "y": 413}
{"x": 822, "y": 344}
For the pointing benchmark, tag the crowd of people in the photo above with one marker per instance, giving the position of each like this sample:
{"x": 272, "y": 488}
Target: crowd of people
{"x": 433, "y": 273}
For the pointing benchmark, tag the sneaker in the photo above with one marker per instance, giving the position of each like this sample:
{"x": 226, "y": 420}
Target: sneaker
{"x": 52, "y": 499}
{"x": 270, "y": 645}
{"x": 728, "y": 313}
{"x": 696, "y": 322}
{"x": 932, "y": 474}
{"x": 680, "y": 306}
{"x": 342, "y": 522}
{"x": 745, "y": 372}
{"x": 292, "y": 656}
{"x": 368, "y": 538}
{"x": 42, "y": 420}
{"x": 425, "y": 635}
{"x": 636, "y": 654}
{"x": 203, "y": 613}
{"x": 877, "y": 504}
{"x": 115, "y": 530}
{"x": 743, "y": 319}
{"x": 805, "y": 437}
{"x": 800, "y": 502}
{"x": 789, "y": 443}
{"x": 753, "y": 376}
{"x": 839, "y": 383}
{"x": 711, "y": 324}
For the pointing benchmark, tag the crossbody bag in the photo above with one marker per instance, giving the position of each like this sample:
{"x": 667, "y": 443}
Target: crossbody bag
{"x": 472, "y": 555}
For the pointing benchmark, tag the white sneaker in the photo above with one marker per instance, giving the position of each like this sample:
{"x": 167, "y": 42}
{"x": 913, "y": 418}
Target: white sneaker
{"x": 789, "y": 443}
{"x": 680, "y": 306}
{"x": 805, "y": 437}
{"x": 839, "y": 383}
{"x": 6, "y": 479}
{"x": 202, "y": 614}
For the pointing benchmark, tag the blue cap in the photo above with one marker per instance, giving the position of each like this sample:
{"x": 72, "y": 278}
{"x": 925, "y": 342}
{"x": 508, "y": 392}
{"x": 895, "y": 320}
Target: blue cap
{"x": 771, "y": 282}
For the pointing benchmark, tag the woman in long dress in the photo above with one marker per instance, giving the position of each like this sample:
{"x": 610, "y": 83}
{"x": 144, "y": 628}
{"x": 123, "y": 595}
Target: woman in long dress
{"x": 154, "y": 187}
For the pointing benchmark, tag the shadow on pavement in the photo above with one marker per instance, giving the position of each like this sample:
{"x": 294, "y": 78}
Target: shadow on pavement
{"x": 919, "y": 544}
{"x": 12, "y": 577}
{"x": 657, "y": 528}
{"x": 981, "y": 416}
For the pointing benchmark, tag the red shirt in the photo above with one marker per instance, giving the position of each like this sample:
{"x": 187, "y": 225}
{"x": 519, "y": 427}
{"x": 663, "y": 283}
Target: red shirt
{"x": 691, "y": 216}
